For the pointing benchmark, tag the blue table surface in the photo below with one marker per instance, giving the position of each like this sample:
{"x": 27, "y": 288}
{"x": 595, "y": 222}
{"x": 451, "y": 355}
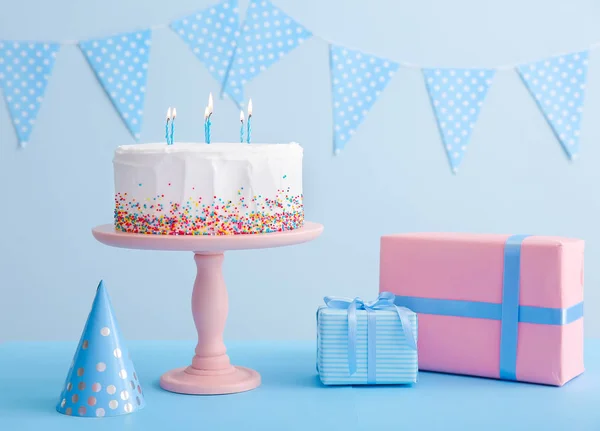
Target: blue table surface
{"x": 291, "y": 396}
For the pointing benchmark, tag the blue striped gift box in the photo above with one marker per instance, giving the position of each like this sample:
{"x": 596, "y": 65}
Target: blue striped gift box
{"x": 396, "y": 362}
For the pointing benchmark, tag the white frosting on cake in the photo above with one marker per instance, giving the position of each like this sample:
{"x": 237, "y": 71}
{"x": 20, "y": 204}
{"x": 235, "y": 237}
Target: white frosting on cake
{"x": 208, "y": 189}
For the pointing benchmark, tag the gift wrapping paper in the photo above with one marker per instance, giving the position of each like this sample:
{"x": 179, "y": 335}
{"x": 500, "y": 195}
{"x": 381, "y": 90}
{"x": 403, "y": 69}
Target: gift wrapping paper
{"x": 396, "y": 362}
{"x": 496, "y": 306}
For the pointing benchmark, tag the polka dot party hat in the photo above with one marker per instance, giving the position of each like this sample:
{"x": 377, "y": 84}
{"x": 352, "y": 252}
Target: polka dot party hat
{"x": 101, "y": 380}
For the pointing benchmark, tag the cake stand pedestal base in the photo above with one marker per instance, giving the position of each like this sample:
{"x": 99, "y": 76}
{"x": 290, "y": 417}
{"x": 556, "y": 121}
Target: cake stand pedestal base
{"x": 211, "y": 372}
{"x": 185, "y": 381}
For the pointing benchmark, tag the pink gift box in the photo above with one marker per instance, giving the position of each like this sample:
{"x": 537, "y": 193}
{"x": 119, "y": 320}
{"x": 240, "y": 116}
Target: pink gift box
{"x": 455, "y": 284}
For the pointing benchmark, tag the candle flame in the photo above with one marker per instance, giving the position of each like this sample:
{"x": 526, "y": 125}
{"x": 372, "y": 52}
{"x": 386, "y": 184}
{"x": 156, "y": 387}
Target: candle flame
{"x": 250, "y": 108}
{"x": 174, "y": 113}
{"x": 210, "y": 103}
{"x": 242, "y": 116}
{"x": 206, "y": 113}
{"x": 169, "y": 114}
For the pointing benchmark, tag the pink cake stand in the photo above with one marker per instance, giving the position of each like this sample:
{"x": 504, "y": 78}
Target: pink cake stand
{"x": 210, "y": 372}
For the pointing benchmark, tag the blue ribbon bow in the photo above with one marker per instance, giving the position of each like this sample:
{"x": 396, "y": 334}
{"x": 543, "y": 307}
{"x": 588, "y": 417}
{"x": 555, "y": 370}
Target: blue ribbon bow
{"x": 385, "y": 301}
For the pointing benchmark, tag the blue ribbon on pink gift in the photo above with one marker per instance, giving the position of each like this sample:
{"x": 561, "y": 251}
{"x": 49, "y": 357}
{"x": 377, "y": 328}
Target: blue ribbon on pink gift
{"x": 385, "y": 301}
{"x": 509, "y": 312}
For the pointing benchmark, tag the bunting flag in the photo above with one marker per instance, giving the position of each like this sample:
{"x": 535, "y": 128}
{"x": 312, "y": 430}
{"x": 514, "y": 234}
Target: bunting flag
{"x": 457, "y": 96}
{"x": 25, "y": 68}
{"x": 234, "y": 56}
{"x": 558, "y": 86}
{"x": 211, "y": 35}
{"x": 121, "y": 65}
{"x": 357, "y": 80}
{"x": 267, "y": 35}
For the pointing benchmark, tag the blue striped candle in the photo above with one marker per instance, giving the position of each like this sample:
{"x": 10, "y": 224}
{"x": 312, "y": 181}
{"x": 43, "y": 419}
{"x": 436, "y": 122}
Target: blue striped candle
{"x": 208, "y": 113}
{"x": 173, "y": 124}
{"x": 249, "y": 137}
{"x": 206, "y": 125}
{"x": 242, "y": 126}
{"x": 249, "y": 129}
{"x": 167, "y": 125}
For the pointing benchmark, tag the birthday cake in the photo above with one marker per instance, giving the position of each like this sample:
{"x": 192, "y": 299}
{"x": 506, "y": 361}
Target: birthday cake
{"x": 208, "y": 189}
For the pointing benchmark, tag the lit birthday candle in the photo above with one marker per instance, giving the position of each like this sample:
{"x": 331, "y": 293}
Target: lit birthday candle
{"x": 242, "y": 126}
{"x": 210, "y": 111}
{"x": 210, "y": 104}
{"x": 167, "y": 125}
{"x": 206, "y": 138}
{"x": 249, "y": 137}
{"x": 173, "y": 124}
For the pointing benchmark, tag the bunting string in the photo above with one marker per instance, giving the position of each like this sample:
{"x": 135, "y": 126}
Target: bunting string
{"x": 237, "y": 51}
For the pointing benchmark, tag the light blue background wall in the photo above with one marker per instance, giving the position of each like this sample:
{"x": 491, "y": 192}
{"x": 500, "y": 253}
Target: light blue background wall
{"x": 393, "y": 176}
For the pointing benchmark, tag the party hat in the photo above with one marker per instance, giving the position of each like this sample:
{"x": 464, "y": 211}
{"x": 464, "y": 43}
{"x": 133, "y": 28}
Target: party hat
{"x": 101, "y": 380}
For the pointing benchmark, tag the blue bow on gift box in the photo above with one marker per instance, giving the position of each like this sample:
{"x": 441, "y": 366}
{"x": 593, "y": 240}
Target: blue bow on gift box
{"x": 385, "y": 301}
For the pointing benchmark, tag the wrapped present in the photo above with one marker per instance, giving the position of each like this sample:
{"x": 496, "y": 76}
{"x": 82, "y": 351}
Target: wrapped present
{"x": 499, "y": 306}
{"x": 361, "y": 343}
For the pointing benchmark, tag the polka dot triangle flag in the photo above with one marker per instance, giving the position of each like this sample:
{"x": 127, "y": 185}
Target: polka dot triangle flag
{"x": 457, "y": 96}
{"x": 25, "y": 69}
{"x": 558, "y": 86}
{"x": 267, "y": 35}
{"x": 357, "y": 81}
{"x": 101, "y": 380}
{"x": 211, "y": 35}
{"x": 121, "y": 65}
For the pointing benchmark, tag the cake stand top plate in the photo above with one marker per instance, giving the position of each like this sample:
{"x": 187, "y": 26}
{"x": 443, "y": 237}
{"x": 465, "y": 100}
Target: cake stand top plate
{"x": 107, "y": 234}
